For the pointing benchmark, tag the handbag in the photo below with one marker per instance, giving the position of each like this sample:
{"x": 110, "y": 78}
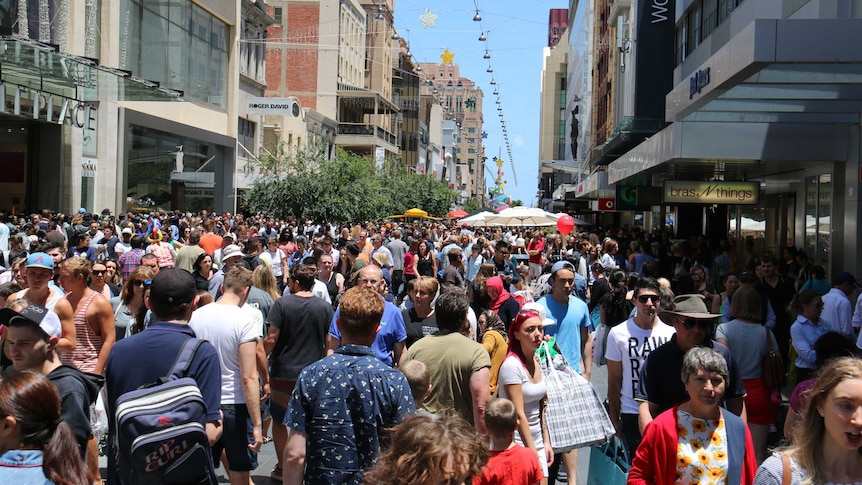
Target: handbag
{"x": 575, "y": 415}
{"x": 773, "y": 366}
{"x": 609, "y": 464}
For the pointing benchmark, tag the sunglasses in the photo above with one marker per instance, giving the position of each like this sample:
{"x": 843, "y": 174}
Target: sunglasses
{"x": 646, "y": 298}
{"x": 528, "y": 313}
{"x": 689, "y": 323}
{"x": 98, "y": 272}
{"x": 137, "y": 282}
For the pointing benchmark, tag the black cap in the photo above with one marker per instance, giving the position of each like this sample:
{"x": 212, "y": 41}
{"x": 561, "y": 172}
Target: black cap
{"x": 173, "y": 286}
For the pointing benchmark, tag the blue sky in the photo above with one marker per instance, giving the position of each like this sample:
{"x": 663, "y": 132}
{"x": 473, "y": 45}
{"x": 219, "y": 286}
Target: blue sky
{"x": 516, "y": 32}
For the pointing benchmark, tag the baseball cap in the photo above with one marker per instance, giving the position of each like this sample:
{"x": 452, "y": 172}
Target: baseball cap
{"x": 230, "y": 235}
{"x": 541, "y": 310}
{"x": 845, "y": 277}
{"x": 127, "y": 230}
{"x": 748, "y": 274}
{"x": 40, "y": 260}
{"x": 45, "y": 319}
{"x": 562, "y": 265}
{"x": 230, "y": 251}
{"x": 82, "y": 211}
{"x": 173, "y": 286}
{"x": 690, "y": 306}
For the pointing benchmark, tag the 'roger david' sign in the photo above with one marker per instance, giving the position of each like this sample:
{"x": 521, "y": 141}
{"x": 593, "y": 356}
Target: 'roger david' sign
{"x": 693, "y": 192}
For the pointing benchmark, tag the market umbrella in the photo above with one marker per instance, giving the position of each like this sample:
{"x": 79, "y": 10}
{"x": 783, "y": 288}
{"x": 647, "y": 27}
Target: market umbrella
{"x": 457, "y": 214}
{"x": 523, "y": 216}
{"x": 477, "y": 220}
{"x": 416, "y": 213}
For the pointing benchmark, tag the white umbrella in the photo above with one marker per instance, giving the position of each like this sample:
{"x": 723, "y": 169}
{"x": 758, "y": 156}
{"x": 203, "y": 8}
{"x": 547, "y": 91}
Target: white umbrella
{"x": 477, "y": 220}
{"x": 523, "y": 216}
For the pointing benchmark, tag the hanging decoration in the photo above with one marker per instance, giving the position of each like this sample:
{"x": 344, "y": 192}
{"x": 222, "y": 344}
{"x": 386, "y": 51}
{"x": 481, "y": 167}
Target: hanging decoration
{"x": 428, "y": 19}
{"x": 447, "y": 56}
{"x": 499, "y": 199}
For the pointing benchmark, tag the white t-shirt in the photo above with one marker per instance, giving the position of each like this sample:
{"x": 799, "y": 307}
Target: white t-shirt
{"x": 226, "y": 327}
{"x": 319, "y": 290}
{"x": 630, "y": 345}
{"x": 512, "y": 371}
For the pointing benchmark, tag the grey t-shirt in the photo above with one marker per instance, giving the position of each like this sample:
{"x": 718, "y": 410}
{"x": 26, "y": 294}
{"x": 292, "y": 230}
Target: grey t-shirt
{"x": 747, "y": 342}
{"x": 397, "y": 247}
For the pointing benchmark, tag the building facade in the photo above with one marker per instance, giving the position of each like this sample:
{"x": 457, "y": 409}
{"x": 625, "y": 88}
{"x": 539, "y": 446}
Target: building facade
{"x": 461, "y": 99}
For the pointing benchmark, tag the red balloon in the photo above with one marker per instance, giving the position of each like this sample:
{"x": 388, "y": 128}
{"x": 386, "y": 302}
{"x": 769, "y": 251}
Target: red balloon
{"x": 565, "y": 224}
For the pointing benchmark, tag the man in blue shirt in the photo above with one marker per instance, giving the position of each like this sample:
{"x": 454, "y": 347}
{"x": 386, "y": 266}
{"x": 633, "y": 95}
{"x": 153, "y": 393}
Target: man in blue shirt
{"x": 343, "y": 403}
{"x": 145, "y": 357}
{"x": 392, "y": 334}
{"x": 572, "y": 319}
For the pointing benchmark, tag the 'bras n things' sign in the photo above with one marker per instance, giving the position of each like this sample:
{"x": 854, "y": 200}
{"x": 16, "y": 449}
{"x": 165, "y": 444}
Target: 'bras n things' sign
{"x": 695, "y": 192}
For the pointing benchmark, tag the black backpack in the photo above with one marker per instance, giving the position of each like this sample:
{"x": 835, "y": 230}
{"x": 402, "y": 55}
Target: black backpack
{"x": 161, "y": 429}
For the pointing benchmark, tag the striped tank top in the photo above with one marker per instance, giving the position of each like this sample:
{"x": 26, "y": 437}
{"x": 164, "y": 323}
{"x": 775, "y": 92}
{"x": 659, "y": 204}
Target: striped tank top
{"x": 88, "y": 344}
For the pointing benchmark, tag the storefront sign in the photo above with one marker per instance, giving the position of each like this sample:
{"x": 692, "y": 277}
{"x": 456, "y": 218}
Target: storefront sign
{"x": 39, "y": 105}
{"x": 274, "y": 106}
{"x": 654, "y": 57}
{"x": 208, "y": 193}
{"x": 607, "y": 204}
{"x": 697, "y": 82}
{"x": 693, "y": 192}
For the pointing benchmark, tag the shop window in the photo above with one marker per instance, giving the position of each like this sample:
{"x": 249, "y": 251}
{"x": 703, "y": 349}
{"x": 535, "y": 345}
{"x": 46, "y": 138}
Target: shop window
{"x": 166, "y": 171}
{"x": 818, "y": 218}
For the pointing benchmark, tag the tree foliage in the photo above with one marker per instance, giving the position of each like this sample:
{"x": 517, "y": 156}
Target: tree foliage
{"x": 342, "y": 189}
{"x": 472, "y": 205}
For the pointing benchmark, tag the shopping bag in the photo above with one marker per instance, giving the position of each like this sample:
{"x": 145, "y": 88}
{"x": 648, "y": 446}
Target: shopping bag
{"x": 575, "y": 415}
{"x": 609, "y": 464}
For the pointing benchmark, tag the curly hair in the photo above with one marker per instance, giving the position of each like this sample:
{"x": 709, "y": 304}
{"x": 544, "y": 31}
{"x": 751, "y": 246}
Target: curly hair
{"x": 423, "y": 446}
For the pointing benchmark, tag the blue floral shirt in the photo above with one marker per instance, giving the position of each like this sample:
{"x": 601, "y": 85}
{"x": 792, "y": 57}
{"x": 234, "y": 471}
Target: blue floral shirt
{"x": 343, "y": 403}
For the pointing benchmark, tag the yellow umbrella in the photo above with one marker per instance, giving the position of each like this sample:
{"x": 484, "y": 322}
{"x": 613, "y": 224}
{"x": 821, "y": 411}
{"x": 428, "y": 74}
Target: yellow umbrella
{"x": 417, "y": 213}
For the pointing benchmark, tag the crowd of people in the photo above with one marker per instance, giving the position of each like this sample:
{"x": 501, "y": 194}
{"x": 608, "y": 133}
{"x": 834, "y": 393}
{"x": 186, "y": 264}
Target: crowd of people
{"x": 406, "y": 352}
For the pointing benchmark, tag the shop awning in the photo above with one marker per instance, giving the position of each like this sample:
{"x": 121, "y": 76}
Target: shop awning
{"x": 41, "y": 67}
{"x": 797, "y": 81}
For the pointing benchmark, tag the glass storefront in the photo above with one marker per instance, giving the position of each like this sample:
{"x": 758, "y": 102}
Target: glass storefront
{"x": 177, "y": 44}
{"x": 818, "y": 220}
{"x": 168, "y": 171}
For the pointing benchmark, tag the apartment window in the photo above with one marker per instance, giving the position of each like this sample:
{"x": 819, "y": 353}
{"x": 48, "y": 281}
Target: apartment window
{"x": 710, "y": 17}
{"x": 276, "y": 14}
{"x": 471, "y": 130}
{"x": 693, "y": 29}
{"x": 681, "y": 39}
{"x": 245, "y": 135}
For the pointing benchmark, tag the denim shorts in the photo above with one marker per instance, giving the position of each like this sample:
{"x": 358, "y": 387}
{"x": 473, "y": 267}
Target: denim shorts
{"x": 237, "y": 434}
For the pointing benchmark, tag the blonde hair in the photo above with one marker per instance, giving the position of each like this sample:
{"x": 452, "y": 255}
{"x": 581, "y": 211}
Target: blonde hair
{"x": 263, "y": 278}
{"x": 810, "y": 431}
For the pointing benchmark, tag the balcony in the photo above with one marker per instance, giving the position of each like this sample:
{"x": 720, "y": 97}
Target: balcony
{"x": 363, "y": 118}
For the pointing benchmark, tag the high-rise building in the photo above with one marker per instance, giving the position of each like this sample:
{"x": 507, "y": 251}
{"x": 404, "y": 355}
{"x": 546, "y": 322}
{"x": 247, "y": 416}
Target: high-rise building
{"x": 461, "y": 99}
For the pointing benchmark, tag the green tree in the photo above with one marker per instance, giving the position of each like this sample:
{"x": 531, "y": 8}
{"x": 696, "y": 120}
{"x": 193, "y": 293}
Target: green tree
{"x": 345, "y": 188}
{"x": 472, "y": 205}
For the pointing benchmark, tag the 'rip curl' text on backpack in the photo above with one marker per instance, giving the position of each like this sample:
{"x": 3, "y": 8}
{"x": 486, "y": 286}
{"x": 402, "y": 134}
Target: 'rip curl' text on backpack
{"x": 161, "y": 429}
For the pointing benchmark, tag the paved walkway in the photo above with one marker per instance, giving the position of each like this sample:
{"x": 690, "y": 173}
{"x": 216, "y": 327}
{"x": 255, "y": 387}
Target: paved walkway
{"x": 266, "y": 457}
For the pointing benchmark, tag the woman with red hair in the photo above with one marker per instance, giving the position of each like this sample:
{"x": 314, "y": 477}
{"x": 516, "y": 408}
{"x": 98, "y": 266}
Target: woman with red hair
{"x": 520, "y": 381}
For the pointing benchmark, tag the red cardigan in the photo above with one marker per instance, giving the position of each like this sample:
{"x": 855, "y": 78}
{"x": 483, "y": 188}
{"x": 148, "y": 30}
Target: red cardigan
{"x": 655, "y": 459}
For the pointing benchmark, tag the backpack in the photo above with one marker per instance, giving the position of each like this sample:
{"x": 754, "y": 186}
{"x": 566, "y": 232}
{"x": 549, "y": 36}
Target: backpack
{"x": 161, "y": 429}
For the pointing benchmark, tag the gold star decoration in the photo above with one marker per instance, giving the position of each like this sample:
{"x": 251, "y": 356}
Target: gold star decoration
{"x": 447, "y": 57}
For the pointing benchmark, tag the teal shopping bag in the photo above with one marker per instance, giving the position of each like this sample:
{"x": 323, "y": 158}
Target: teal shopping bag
{"x": 609, "y": 464}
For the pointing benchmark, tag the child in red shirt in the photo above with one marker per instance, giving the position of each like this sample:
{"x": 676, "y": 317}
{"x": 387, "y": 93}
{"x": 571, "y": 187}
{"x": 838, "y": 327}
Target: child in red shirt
{"x": 510, "y": 463}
